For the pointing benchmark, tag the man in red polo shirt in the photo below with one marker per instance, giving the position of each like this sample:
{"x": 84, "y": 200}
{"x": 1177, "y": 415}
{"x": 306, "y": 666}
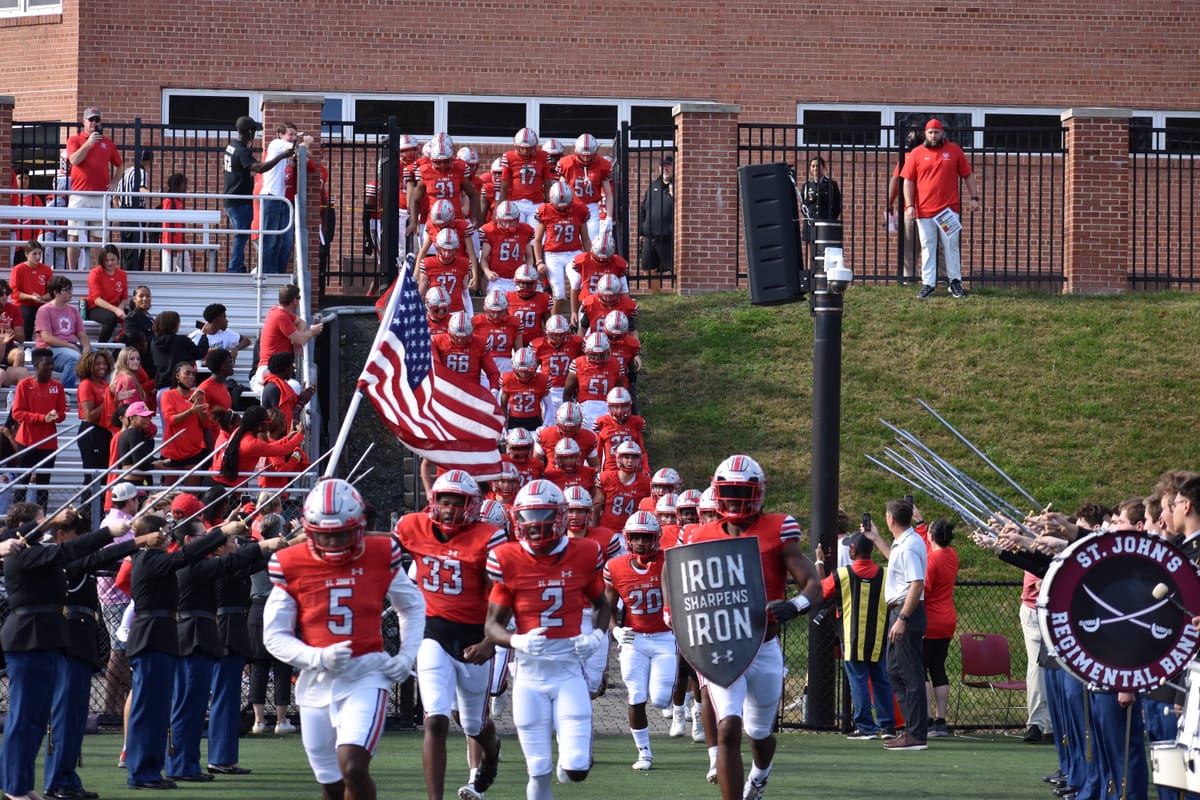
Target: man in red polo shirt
{"x": 93, "y": 158}
{"x": 283, "y": 331}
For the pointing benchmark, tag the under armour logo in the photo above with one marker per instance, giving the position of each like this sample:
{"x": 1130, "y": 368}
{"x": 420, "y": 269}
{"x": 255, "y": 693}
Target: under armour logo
{"x": 567, "y": 573}
{"x": 717, "y": 658}
{"x": 357, "y": 571}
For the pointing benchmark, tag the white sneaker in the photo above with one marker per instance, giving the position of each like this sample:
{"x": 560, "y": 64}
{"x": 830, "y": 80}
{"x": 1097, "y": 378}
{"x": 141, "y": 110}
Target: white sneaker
{"x": 285, "y": 727}
{"x": 259, "y": 727}
{"x": 645, "y": 761}
{"x": 711, "y": 777}
{"x": 678, "y": 725}
{"x": 697, "y": 727}
{"x": 666, "y": 712}
{"x": 753, "y": 790}
{"x": 468, "y": 793}
{"x": 499, "y": 704}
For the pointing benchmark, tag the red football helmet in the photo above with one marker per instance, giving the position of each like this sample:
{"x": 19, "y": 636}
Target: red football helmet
{"x": 567, "y": 454}
{"x": 664, "y": 509}
{"x": 441, "y": 152}
{"x": 560, "y": 194}
{"x": 739, "y": 487}
{"x": 629, "y": 456}
{"x": 442, "y": 213}
{"x": 452, "y": 516}
{"x": 596, "y": 348}
{"x": 494, "y": 513}
{"x": 526, "y": 141}
{"x": 665, "y": 480}
{"x": 509, "y": 482}
{"x": 526, "y": 280}
{"x": 446, "y": 243}
{"x": 620, "y": 404}
{"x": 553, "y": 148}
{"x": 586, "y": 148}
{"x": 539, "y": 514}
{"x": 497, "y": 167}
{"x": 437, "y": 303}
{"x": 334, "y": 521}
{"x": 569, "y": 418}
{"x": 469, "y": 156}
{"x": 687, "y": 507}
{"x": 604, "y": 245}
{"x": 518, "y": 444}
{"x": 579, "y": 509}
{"x": 643, "y": 535}
{"x": 608, "y": 289}
{"x": 507, "y": 215}
{"x": 460, "y": 328}
{"x": 557, "y": 330}
{"x": 616, "y": 325}
{"x": 495, "y": 305}
{"x": 525, "y": 364}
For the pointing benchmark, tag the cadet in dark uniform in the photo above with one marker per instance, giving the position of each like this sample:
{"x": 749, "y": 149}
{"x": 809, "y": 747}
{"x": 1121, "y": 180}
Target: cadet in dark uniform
{"x": 200, "y": 644}
{"x": 72, "y": 686}
{"x": 153, "y": 648}
{"x": 33, "y": 638}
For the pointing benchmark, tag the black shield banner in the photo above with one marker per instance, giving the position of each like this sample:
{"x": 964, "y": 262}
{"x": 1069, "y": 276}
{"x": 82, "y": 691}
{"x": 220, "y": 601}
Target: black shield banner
{"x": 718, "y": 605}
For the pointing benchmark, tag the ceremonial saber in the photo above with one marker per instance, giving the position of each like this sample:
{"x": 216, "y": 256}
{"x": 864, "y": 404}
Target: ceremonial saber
{"x": 950, "y": 497}
{"x": 28, "y": 447}
{"x": 358, "y": 463}
{"x": 979, "y": 453}
{"x": 39, "y": 464}
{"x": 225, "y": 495}
{"x": 970, "y": 516}
{"x": 186, "y": 475}
{"x": 366, "y": 472}
{"x": 279, "y": 492}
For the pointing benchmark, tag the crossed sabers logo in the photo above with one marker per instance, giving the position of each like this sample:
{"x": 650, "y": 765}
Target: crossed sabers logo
{"x": 717, "y": 657}
{"x": 1093, "y": 624}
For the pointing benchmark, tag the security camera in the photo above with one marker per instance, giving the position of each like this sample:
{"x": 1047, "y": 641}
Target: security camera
{"x": 838, "y": 279}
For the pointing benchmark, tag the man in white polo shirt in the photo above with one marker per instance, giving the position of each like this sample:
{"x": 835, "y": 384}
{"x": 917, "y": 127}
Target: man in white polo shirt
{"x": 904, "y": 591}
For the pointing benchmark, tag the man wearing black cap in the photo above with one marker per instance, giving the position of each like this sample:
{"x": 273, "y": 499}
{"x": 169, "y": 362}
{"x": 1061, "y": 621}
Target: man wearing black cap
{"x": 239, "y": 167}
{"x": 656, "y": 220}
{"x": 931, "y": 197}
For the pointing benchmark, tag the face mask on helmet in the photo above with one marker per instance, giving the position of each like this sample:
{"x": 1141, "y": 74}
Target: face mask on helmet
{"x": 616, "y": 325}
{"x": 442, "y": 213}
{"x": 569, "y": 418}
{"x": 585, "y": 148}
{"x": 579, "y": 510}
{"x": 738, "y": 488}
{"x": 460, "y": 329}
{"x": 539, "y": 514}
{"x": 526, "y": 142}
{"x": 557, "y": 330}
{"x": 508, "y": 215}
{"x": 447, "y": 244}
{"x": 495, "y": 306}
{"x": 629, "y": 457}
{"x": 560, "y": 194}
{"x": 597, "y": 348}
{"x": 519, "y": 445}
{"x": 608, "y": 289}
{"x": 455, "y": 502}
{"x": 553, "y": 148}
{"x": 437, "y": 303}
{"x": 509, "y": 481}
{"x": 687, "y": 507}
{"x": 643, "y": 535}
{"x": 334, "y": 522}
{"x": 567, "y": 455}
{"x": 526, "y": 287}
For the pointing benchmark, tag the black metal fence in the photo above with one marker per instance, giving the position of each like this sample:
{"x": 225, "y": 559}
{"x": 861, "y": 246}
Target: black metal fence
{"x": 1164, "y": 210}
{"x": 1015, "y": 239}
{"x": 638, "y": 154}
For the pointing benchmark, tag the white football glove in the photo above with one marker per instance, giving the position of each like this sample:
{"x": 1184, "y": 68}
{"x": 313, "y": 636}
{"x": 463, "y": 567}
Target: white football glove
{"x": 622, "y": 636}
{"x": 398, "y": 668}
{"x": 532, "y": 643}
{"x": 585, "y": 644}
{"x": 336, "y": 657}
{"x": 667, "y": 617}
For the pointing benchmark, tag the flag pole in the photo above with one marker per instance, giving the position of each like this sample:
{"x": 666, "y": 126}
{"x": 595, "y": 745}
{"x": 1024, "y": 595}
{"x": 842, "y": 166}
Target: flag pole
{"x": 356, "y": 399}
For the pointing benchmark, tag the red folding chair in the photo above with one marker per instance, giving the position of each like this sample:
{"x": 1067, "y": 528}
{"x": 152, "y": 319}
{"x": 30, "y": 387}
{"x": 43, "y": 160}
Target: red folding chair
{"x": 986, "y": 664}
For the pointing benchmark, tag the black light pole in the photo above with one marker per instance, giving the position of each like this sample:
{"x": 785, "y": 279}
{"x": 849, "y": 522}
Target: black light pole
{"x": 828, "y": 289}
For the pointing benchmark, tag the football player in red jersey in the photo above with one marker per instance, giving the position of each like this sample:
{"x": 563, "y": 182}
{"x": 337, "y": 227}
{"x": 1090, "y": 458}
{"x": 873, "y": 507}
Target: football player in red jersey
{"x": 687, "y": 509}
{"x": 645, "y": 643}
{"x": 625, "y": 346}
{"x": 556, "y": 351}
{"x": 608, "y": 298}
{"x": 749, "y": 704}
{"x": 501, "y": 330}
{"x": 579, "y": 518}
{"x": 470, "y": 157}
{"x": 590, "y": 177}
{"x": 568, "y": 468}
{"x": 601, "y": 259}
{"x": 507, "y": 246}
{"x": 449, "y": 269}
{"x": 664, "y": 510}
{"x": 622, "y": 490}
{"x": 449, "y": 546}
{"x": 489, "y": 194}
{"x": 525, "y": 174}
{"x": 518, "y": 449}
{"x": 554, "y": 152}
{"x": 323, "y": 617}
{"x": 568, "y": 424}
{"x": 442, "y": 215}
{"x": 523, "y": 391}
{"x": 664, "y": 481}
{"x": 442, "y": 177}
{"x": 465, "y": 352}
{"x": 437, "y": 309}
{"x": 620, "y": 424}
{"x": 546, "y": 581}
{"x": 504, "y": 489}
{"x": 530, "y": 306}
{"x": 560, "y": 234}
{"x": 592, "y": 376}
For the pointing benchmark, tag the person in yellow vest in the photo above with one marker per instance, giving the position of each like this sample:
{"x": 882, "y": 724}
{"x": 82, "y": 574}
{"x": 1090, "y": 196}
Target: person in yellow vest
{"x": 857, "y": 591}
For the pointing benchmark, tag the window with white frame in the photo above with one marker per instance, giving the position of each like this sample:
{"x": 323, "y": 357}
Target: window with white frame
{"x": 184, "y": 109}
{"x": 29, "y": 8}
{"x": 1028, "y": 130}
{"x": 1172, "y": 132}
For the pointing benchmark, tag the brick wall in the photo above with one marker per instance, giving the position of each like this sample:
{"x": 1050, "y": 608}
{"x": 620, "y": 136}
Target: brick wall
{"x": 1097, "y": 218}
{"x": 706, "y": 241}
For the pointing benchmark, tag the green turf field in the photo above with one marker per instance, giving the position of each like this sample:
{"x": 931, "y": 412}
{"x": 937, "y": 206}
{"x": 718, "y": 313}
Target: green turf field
{"x": 825, "y": 766}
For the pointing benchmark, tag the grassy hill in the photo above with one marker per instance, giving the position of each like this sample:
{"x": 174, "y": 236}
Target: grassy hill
{"x": 1076, "y": 398}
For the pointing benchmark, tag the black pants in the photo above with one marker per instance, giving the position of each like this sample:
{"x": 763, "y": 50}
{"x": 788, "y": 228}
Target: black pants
{"x": 28, "y": 316}
{"x": 107, "y": 319}
{"x": 906, "y": 670}
{"x": 94, "y": 446}
{"x": 659, "y": 255}
{"x": 263, "y": 664}
{"x": 132, "y": 258}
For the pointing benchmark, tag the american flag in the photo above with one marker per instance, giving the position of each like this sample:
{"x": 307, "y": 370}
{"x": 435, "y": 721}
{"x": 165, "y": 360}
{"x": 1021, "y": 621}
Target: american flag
{"x": 433, "y": 411}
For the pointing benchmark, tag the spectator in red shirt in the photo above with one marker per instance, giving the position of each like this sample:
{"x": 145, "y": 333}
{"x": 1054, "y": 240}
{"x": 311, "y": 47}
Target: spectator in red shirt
{"x": 108, "y": 293}
{"x": 96, "y": 409}
{"x": 94, "y": 160}
{"x": 39, "y": 404}
{"x": 283, "y": 331}
{"x": 940, "y": 573}
{"x": 30, "y": 230}
{"x": 175, "y": 260}
{"x": 30, "y": 280}
{"x": 184, "y": 408}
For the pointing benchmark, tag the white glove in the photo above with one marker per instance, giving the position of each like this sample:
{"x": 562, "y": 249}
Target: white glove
{"x": 622, "y": 636}
{"x": 532, "y": 643}
{"x": 585, "y": 644}
{"x": 667, "y": 617}
{"x": 398, "y": 668}
{"x": 123, "y": 633}
{"x": 336, "y": 657}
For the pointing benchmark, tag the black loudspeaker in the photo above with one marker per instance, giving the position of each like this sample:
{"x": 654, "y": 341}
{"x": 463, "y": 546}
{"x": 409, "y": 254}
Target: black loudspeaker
{"x": 770, "y": 215}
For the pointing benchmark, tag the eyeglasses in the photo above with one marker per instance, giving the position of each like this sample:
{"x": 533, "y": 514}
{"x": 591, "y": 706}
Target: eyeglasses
{"x": 93, "y": 119}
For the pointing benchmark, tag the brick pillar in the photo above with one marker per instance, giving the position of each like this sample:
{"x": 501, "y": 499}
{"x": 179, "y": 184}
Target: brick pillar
{"x": 706, "y": 211}
{"x": 1097, "y": 198}
{"x": 6, "y": 119}
{"x": 305, "y": 111}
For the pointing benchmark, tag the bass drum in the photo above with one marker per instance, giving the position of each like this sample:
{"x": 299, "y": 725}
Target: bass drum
{"x": 1101, "y": 620}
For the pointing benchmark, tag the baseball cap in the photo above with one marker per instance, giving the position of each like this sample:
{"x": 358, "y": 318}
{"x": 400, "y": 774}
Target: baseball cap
{"x": 138, "y": 409}
{"x": 860, "y": 542}
{"x": 245, "y": 124}
{"x": 186, "y": 504}
{"x": 91, "y": 111}
{"x": 124, "y": 492}
{"x": 934, "y": 124}
{"x": 668, "y": 160}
